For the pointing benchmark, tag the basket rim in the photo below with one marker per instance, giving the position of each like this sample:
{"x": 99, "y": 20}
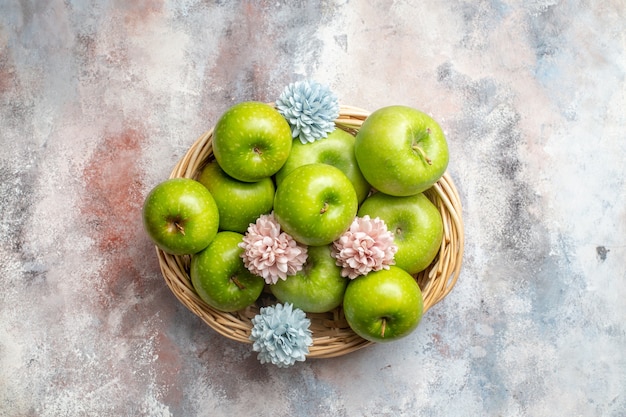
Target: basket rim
{"x": 436, "y": 281}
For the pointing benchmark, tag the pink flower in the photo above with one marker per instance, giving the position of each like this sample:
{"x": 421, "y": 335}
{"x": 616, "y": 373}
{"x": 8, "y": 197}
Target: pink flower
{"x": 366, "y": 246}
{"x": 270, "y": 253}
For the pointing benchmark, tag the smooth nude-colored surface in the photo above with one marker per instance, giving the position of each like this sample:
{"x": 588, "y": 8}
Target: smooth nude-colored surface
{"x": 99, "y": 99}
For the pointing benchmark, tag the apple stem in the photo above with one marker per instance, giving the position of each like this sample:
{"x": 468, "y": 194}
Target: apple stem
{"x": 325, "y": 208}
{"x": 382, "y": 330}
{"x": 180, "y": 228}
{"x": 421, "y": 151}
{"x": 237, "y": 282}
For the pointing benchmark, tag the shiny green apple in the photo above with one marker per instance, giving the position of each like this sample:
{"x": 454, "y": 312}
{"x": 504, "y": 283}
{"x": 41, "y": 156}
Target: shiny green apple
{"x": 336, "y": 149}
{"x": 401, "y": 151}
{"x": 180, "y": 216}
{"x": 251, "y": 141}
{"x": 384, "y": 305}
{"x": 416, "y": 224}
{"x": 239, "y": 203}
{"x": 315, "y": 204}
{"x": 220, "y": 277}
{"x": 318, "y": 287}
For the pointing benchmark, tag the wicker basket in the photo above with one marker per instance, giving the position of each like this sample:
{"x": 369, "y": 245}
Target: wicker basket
{"x": 331, "y": 334}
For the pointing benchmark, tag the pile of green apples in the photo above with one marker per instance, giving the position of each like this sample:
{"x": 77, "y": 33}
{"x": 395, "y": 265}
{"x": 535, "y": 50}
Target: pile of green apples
{"x": 315, "y": 191}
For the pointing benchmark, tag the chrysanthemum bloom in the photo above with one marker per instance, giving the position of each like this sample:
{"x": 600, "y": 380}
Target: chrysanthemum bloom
{"x": 310, "y": 108}
{"x": 281, "y": 335}
{"x": 269, "y": 252}
{"x": 366, "y": 246}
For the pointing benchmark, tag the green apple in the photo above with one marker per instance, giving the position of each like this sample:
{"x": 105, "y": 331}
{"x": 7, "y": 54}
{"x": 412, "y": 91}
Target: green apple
{"x": 315, "y": 204}
{"x": 180, "y": 216}
{"x": 318, "y": 287}
{"x": 239, "y": 203}
{"x": 251, "y": 141}
{"x": 383, "y": 305}
{"x": 336, "y": 149}
{"x": 220, "y": 277}
{"x": 401, "y": 151}
{"x": 416, "y": 224}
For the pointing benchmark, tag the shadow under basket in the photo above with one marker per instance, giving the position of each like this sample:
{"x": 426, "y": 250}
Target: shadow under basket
{"x": 331, "y": 334}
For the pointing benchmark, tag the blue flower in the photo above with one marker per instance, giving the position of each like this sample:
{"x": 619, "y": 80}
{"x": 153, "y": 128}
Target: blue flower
{"x": 310, "y": 108}
{"x": 281, "y": 335}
